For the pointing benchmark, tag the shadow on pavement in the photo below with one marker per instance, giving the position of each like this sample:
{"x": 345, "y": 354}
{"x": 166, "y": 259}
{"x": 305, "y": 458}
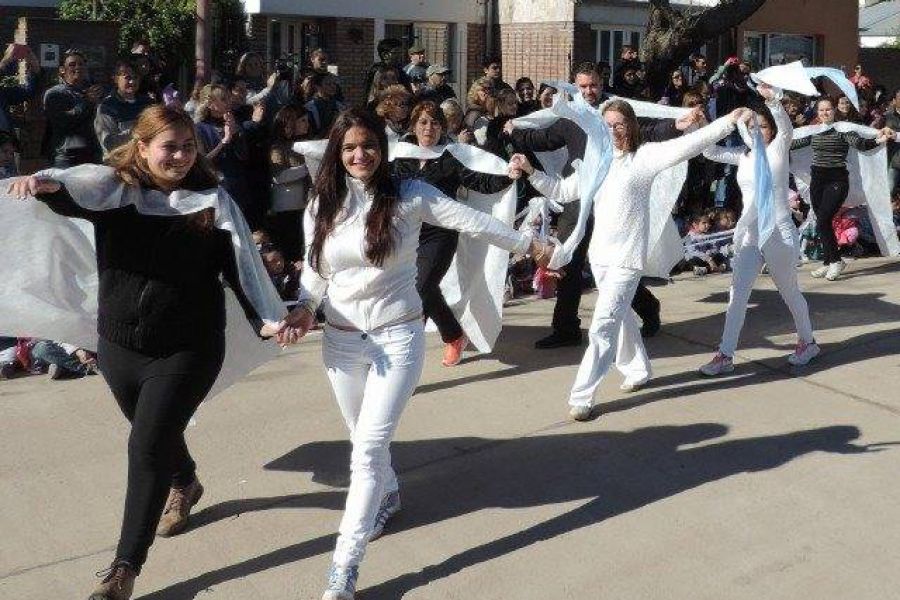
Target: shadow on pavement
{"x": 613, "y": 472}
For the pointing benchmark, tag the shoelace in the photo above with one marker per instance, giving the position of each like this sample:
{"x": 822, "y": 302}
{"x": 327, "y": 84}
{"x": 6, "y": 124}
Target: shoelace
{"x": 114, "y": 572}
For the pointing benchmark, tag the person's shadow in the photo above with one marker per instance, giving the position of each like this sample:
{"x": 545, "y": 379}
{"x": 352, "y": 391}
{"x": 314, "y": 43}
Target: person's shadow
{"x": 616, "y": 472}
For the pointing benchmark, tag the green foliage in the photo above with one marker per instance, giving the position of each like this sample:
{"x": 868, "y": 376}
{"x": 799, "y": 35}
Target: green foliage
{"x": 167, "y": 24}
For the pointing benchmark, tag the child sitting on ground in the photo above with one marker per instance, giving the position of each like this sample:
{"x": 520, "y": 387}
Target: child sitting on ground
{"x": 285, "y": 275}
{"x": 701, "y": 255}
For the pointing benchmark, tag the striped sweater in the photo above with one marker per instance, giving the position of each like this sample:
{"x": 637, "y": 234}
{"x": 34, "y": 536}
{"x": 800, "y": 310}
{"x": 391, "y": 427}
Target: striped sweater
{"x": 830, "y": 147}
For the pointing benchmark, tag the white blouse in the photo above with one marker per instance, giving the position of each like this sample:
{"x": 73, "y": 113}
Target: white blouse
{"x": 746, "y": 231}
{"x": 621, "y": 215}
{"x": 359, "y": 295}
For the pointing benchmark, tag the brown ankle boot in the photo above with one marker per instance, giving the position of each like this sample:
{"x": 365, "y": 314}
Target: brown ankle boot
{"x": 117, "y": 584}
{"x": 178, "y": 508}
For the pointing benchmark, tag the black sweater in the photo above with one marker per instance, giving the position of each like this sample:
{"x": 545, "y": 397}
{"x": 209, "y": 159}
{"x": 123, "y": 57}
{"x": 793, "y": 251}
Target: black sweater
{"x": 160, "y": 287}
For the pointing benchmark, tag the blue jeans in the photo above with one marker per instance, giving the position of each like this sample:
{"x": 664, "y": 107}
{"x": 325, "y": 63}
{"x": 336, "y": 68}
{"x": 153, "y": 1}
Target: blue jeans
{"x": 51, "y": 353}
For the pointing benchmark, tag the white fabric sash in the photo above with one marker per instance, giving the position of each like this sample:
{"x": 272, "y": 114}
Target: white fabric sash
{"x": 49, "y": 279}
{"x": 473, "y": 286}
{"x": 869, "y": 183}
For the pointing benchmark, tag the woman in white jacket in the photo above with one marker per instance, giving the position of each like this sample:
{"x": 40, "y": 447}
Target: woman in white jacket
{"x": 619, "y": 245}
{"x": 362, "y": 231}
{"x": 781, "y": 245}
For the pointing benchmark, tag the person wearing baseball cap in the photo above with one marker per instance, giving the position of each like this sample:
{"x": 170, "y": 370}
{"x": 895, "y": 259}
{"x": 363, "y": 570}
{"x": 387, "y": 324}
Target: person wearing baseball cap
{"x": 437, "y": 88}
{"x": 418, "y": 66}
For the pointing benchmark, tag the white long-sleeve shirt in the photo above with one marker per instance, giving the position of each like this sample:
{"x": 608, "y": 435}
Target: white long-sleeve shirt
{"x": 363, "y": 296}
{"x": 746, "y": 232}
{"x": 621, "y": 215}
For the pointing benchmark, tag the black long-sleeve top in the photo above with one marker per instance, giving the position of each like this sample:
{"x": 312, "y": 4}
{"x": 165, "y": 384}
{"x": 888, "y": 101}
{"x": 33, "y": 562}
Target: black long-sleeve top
{"x": 447, "y": 174}
{"x": 160, "y": 278}
{"x": 830, "y": 147}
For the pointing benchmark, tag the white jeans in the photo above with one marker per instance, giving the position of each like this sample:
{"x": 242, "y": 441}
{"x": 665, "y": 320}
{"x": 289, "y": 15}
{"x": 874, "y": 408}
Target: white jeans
{"x": 373, "y": 374}
{"x": 614, "y": 335}
{"x": 781, "y": 258}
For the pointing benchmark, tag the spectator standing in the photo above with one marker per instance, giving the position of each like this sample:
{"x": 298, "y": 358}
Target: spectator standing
{"x": 418, "y": 65}
{"x": 437, "y": 89}
{"x": 675, "y": 89}
{"x": 10, "y": 95}
{"x": 391, "y": 57}
{"x": 324, "y": 106}
{"x": 628, "y": 60}
{"x": 525, "y": 93}
{"x": 476, "y": 101}
{"x": 699, "y": 69}
{"x": 119, "y": 111}
{"x": 318, "y": 63}
{"x": 290, "y": 180}
{"x": 493, "y": 70}
{"x": 393, "y": 108}
{"x": 71, "y": 107}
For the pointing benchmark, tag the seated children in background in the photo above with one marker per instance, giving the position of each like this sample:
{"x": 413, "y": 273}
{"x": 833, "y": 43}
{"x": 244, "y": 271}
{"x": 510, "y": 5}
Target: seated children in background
{"x": 701, "y": 255}
{"x": 285, "y": 276}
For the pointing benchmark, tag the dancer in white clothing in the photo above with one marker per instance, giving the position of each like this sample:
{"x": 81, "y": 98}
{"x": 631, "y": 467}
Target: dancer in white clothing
{"x": 363, "y": 234}
{"x": 765, "y": 231}
{"x": 619, "y": 245}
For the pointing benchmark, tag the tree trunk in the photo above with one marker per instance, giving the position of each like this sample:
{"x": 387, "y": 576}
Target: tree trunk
{"x": 672, "y": 35}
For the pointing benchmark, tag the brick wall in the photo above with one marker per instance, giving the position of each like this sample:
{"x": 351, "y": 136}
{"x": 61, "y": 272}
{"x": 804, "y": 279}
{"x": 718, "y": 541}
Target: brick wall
{"x": 475, "y": 51}
{"x": 540, "y": 51}
{"x": 351, "y": 47}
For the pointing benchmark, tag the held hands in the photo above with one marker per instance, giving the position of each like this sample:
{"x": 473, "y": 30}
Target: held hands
{"x": 508, "y": 127}
{"x": 738, "y": 114}
{"x": 22, "y": 187}
{"x": 296, "y": 325}
{"x": 695, "y": 116}
{"x": 885, "y": 134}
{"x": 466, "y": 137}
{"x": 518, "y": 165}
{"x": 765, "y": 90}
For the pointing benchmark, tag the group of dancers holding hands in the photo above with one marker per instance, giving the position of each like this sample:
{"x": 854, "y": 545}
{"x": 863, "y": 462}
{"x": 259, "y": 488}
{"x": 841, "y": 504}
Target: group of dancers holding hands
{"x": 165, "y": 236}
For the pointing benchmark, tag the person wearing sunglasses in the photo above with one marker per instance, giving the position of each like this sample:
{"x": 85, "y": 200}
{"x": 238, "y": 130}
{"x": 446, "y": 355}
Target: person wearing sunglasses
{"x": 118, "y": 112}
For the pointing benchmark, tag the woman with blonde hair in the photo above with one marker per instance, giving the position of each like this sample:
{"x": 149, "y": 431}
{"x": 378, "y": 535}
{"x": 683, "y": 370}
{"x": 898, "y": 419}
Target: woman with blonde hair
{"x": 166, "y": 235}
{"x": 393, "y": 107}
{"x": 479, "y": 92}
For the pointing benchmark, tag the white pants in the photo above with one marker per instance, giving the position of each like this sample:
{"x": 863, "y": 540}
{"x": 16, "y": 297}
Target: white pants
{"x": 614, "y": 335}
{"x": 373, "y": 374}
{"x": 781, "y": 258}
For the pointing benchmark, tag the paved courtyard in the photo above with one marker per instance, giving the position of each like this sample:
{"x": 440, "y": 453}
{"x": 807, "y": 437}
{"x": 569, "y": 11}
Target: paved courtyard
{"x": 769, "y": 483}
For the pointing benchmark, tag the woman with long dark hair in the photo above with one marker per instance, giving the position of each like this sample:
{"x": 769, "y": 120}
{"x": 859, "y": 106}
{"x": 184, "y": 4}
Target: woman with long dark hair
{"x": 165, "y": 236}
{"x": 363, "y": 231}
{"x": 782, "y": 244}
{"x": 830, "y": 180}
{"x": 437, "y": 245}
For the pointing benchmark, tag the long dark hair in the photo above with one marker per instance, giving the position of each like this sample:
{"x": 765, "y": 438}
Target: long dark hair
{"x": 331, "y": 188}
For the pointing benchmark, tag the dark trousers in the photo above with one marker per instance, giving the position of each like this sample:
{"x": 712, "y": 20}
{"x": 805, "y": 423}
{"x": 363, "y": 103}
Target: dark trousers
{"x": 437, "y": 247}
{"x": 568, "y": 292}
{"x": 158, "y": 396}
{"x": 828, "y": 190}
{"x": 287, "y": 232}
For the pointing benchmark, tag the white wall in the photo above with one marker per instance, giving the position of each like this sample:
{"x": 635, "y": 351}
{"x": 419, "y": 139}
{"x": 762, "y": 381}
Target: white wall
{"x": 535, "y": 11}
{"x": 453, "y": 11}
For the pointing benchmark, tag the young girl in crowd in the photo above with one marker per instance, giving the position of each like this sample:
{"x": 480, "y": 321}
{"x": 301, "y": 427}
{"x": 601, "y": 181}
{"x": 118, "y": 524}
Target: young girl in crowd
{"x": 290, "y": 180}
{"x": 161, "y": 253}
{"x": 619, "y": 244}
{"x": 780, "y": 248}
{"x": 363, "y": 233}
{"x": 701, "y": 255}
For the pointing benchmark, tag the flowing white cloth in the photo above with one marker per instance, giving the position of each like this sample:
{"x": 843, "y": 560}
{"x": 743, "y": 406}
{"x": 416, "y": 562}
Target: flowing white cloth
{"x": 49, "y": 279}
{"x": 869, "y": 183}
{"x": 473, "y": 286}
{"x": 665, "y": 245}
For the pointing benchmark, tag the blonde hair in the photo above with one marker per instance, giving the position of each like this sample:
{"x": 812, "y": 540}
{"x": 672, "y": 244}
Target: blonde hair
{"x": 391, "y": 95}
{"x": 133, "y": 169}
{"x": 482, "y": 83}
{"x": 208, "y": 93}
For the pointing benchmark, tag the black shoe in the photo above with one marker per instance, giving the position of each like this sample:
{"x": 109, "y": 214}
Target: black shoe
{"x": 559, "y": 340}
{"x": 651, "y": 321}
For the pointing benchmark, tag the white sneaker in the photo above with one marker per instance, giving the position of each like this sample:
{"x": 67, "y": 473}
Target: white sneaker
{"x": 819, "y": 273}
{"x": 390, "y": 506}
{"x": 718, "y": 365}
{"x": 834, "y": 270}
{"x": 580, "y": 413}
{"x": 633, "y": 385}
{"x": 803, "y": 353}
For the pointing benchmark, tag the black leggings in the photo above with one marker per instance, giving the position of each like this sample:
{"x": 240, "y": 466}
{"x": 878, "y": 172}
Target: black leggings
{"x": 158, "y": 396}
{"x": 436, "y": 250}
{"x": 828, "y": 190}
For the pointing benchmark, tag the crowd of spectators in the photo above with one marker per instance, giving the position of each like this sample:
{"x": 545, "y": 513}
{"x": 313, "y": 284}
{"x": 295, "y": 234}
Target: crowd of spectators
{"x": 248, "y": 121}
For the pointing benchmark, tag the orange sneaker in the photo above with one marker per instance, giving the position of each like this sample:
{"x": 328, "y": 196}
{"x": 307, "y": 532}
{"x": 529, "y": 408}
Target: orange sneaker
{"x": 453, "y": 351}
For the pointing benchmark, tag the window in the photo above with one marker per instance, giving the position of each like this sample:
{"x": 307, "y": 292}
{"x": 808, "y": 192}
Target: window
{"x": 610, "y": 41}
{"x": 767, "y": 49}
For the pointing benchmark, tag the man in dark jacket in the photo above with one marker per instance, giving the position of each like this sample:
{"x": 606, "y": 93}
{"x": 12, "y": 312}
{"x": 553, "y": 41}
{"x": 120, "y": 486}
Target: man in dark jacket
{"x": 564, "y": 133}
{"x": 70, "y": 108}
{"x": 437, "y": 89}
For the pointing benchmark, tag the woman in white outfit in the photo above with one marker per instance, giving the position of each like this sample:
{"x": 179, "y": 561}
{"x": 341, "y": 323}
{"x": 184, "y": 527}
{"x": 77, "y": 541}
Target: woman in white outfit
{"x": 619, "y": 245}
{"x": 779, "y": 251}
{"x": 363, "y": 233}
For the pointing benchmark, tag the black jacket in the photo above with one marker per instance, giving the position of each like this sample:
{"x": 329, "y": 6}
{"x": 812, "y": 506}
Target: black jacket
{"x": 160, "y": 287}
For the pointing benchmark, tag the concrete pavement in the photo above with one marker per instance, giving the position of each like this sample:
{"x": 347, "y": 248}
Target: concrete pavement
{"x": 773, "y": 482}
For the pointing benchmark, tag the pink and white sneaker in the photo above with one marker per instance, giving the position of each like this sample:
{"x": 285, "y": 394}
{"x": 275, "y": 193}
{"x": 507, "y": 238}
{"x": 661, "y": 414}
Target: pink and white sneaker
{"x": 720, "y": 363}
{"x": 803, "y": 353}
